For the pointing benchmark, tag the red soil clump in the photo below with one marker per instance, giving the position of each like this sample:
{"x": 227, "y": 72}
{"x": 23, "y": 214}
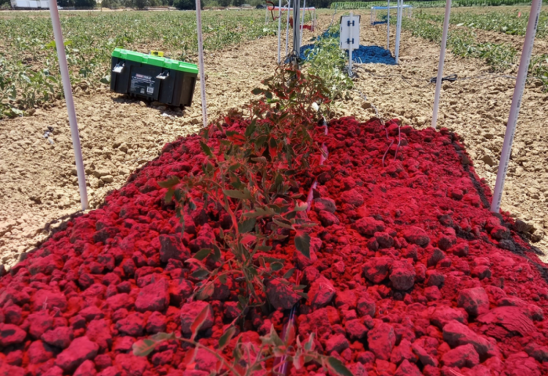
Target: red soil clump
{"x": 409, "y": 272}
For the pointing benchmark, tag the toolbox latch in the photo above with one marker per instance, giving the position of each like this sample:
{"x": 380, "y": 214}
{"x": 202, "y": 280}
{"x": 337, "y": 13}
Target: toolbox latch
{"x": 163, "y": 75}
{"x": 118, "y": 68}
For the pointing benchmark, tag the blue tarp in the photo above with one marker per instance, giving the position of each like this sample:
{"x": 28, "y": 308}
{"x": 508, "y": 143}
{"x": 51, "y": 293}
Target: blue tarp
{"x": 372, "y": 55}
{"x": 363, "y": 55}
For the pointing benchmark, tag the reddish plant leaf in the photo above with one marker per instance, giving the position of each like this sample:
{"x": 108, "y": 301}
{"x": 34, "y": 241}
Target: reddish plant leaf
{"x": 199, "y": 321}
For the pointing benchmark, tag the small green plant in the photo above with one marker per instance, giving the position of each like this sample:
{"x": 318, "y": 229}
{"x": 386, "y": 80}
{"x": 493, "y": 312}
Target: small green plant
{"x": 538, "y": 68}
{"x": 252, "y": 175}
{"x": 328, "y": 61}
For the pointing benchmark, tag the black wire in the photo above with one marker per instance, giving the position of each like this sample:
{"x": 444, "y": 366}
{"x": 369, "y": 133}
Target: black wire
{"x": 450, "y": 78}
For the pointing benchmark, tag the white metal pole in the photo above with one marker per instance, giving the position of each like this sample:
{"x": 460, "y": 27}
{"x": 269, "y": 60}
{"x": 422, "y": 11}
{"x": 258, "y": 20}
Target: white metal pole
{"x": 201, "y": 60}
{"x": 287, "y": 28}
{"x": 516, "y": 102}
{"x": 279, "y": 27}
{"x": 350, "y": 48}
{"x": 388, "y": 27}
{"x": 441, "y": 62}
{"x": 398, "y": 31}
{"x": 266, "y": 15}
{"x": 67, "y": 89}
{"x": 302, "y": 22}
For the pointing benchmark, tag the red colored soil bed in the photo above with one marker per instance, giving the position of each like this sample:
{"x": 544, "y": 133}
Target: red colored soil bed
{"x": 409, "y": 272}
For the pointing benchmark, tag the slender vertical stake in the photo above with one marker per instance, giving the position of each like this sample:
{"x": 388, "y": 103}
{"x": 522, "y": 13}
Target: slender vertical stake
{"x": 350, "y": 47}
{"x": 287, "y": 27}
{"x": 516, "y": 102}
{"x": 279, "y": 27}
{"x": 441, "y": 62}
{"x": 398, "y": 31}
{"x": 302, "y": 23}
{"x": 388, "y": 27}
{"x": 201, "y": 60}
{"x": 67, "y": 89}
{"x": 296, "y": 32}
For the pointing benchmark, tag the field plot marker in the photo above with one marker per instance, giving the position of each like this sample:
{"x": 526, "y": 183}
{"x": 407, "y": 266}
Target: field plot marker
{"x": 201, "y": 60}
{"x": 296, "y": 32}
{"x": 398, "y": 31}
{"x": 388, "y": 27}
{"x": 67, "y": 89}
{"x": 280, "y": 26}
{"x": 302, "y": 23}
{"x": 440, "y": 64}
{"x": 516, "y": 103}
{"x": 287, "y": 27}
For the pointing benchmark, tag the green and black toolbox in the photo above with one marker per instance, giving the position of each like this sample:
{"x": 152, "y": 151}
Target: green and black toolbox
{"x": 153, "y": 77}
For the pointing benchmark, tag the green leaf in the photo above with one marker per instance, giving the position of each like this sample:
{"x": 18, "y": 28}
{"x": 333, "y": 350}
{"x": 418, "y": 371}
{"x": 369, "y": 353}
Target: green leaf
{"x": 257, "y": 91}
{"x": 192, "y": 205}
{"x": 199, "y": 321}
{"x": 301, "y": 207}
{"x": 276, "y": 266}
{"x": 206, "y": 291}
{"x": 200, "y": 274}
{"x": 264, "y": 248}
{"x": 309, "y": 345}
{"x": 169, "y": 183}
{"x": 222, "y": 279}
{"x": 260, "y": 141}
{"x": 206, "y": 149}
{"x": 163, "y": 336}
{"x": 144, "y": 347}
{"x": 302, "y": 243}
{"x": 336, "y": 366}
{"x": 259, "y": 213}
{"x": 250, "y": 129}
{"x": 202, "y": 254}
{"x": 275, "y": 338}
{"x": 289, "y": 273}
{"x": 247, "y": 225}
{"x": 169, "y": 196}
{"x": 226, "y": 337}
{"x": 216, "y": 253}
{"x": 237, "y": 194}
{"x": 284, "y": 224}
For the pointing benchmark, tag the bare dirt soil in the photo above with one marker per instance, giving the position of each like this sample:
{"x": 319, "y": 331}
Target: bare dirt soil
{"x": 38, "y": 184}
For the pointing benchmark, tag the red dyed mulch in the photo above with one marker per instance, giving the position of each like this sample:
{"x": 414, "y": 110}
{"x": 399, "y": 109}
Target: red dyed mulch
{"x": 410, "y": 273}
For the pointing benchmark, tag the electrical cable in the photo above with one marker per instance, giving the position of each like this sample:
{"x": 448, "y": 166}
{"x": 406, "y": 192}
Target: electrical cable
{"x": 450, "y": 78}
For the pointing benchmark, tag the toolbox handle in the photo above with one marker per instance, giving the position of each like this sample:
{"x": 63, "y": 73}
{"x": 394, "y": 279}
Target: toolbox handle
{"x": 163, "y": 75}
{"x": 118, "y": 68}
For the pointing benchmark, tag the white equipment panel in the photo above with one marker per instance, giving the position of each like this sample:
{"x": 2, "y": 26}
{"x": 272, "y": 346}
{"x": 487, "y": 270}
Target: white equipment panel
{"x": 350, "y": 32}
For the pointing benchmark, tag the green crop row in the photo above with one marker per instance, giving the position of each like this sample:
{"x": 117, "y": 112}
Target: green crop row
{"x": 502, "y": 22}
{"x": 426, "y": 4}
{"x": 501, "y": 57}
{"x": 368, "y": 5}
{"x": 29, "y": 72}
